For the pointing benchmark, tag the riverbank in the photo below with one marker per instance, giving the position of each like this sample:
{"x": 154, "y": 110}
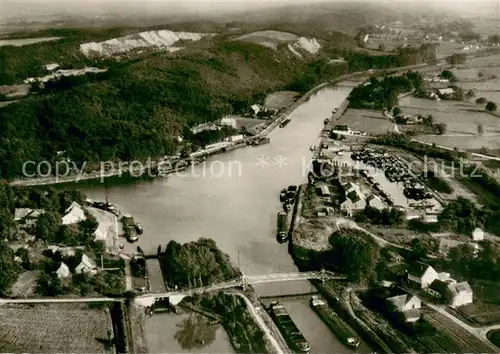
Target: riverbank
{"x": 149, "y": 166}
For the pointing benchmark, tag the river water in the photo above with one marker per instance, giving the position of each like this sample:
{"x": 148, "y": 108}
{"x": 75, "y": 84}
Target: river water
{"x": 234, "y": 199}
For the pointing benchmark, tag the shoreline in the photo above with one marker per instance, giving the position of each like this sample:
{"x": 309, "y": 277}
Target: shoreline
{"x": 138, "y": 173}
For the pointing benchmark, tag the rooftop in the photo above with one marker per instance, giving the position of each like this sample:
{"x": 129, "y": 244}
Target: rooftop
{"x": 418, "y": 269}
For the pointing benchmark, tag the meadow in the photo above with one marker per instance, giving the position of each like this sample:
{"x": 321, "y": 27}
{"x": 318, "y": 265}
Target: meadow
{"x": 461, "y": 119}
{"x": 366, "y": 120}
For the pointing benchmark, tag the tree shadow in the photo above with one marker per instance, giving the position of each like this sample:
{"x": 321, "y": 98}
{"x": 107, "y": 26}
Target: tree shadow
{"x": 195, "y": 332}
{"x": 107, "y": 343}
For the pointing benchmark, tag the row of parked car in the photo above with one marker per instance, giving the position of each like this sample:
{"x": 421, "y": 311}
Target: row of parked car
{"x": 395, "y": 171}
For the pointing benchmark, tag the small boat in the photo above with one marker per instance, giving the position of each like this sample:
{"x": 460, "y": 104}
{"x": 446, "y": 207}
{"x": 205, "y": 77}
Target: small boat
{"x": 139, "y": 228}
{"x": 325, "y": 122}
{"x": 312, "y": 148}
{"x": 287, "y": 207}
{"x": 285, "y": 123}
{"x": 265, "y": 140}
{"x": 283, "y": 195}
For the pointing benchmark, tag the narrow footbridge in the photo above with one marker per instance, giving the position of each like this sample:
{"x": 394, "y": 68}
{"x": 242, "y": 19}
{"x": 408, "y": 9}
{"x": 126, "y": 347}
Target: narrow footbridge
{"x": 243, "y": 281}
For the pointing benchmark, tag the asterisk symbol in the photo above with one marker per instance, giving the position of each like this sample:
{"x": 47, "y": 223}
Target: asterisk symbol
{"x": 262, "y": 161}
{"x": 280, "y": 161}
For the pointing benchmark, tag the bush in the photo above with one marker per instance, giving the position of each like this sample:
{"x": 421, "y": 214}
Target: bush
{"x": 491, "y": 106}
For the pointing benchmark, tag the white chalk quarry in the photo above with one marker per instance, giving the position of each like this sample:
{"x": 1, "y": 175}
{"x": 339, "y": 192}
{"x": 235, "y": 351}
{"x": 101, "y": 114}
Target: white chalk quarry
{"x": 161, "y": 39}
{"x": 310, "y": 45}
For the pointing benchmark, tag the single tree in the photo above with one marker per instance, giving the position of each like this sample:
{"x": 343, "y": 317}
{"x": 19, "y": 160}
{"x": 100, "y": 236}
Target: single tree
{"x": 392, "y": 99}
{"x": 471, "y": 93}
{"x": 381, "y": 47}
{"x": 447, "y": 74}
{"x": 441, "y": 128}
{"x": 491, "y": 106}
{"x": 480, "y": 129}
{"x": 397, "y": 111}
{"x": 480, "y": 74}
{"x": 481, "y": 100}
{"x": 429, "y": 120}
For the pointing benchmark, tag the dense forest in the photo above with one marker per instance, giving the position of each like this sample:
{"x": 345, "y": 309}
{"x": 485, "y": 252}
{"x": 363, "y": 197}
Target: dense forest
{"x": 384, "y": 93}
{"x": 139, "y": 106}
{"x": 195, "y": 264}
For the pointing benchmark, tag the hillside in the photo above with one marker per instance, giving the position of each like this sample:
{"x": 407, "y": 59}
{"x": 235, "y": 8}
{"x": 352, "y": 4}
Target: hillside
{"x": 139, "y": 106}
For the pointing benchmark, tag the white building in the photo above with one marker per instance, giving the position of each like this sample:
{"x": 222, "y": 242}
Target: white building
{"x": 323, "y": 191}
{"x": 74, "y": 214}
{"x": 228, "y": 121}
{"x": 375, "y": 202}
{"x": 86, "y": 265}
{"x": 63, "y": 271}
{"x": 422, "y": 274}
{"x": 446, "y": 91}
{"x": 27, "y": 217}
{"x": 461, "y": 294}
{"x": 235, "y": 138}
{"x": 102, "y": 231}
{"x": 255, "y": 108}
{"x": 477, "y": 234}
{"x": 51, "y": 66}
{"x": 408, "y": 305}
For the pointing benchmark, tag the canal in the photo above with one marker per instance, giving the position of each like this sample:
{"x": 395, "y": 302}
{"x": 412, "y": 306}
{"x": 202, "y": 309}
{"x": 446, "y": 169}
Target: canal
{"x": 234, "y": 199}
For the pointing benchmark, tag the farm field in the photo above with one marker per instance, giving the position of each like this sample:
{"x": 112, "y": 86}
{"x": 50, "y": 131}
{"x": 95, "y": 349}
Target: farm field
{"x": 481, "y": 313}
{"x": 54, "y": 328}
{"x": 280, "y": 99}
{"x": 461, "y": 123}
{"x": 491, "y": 60}
{"x": 444, "y": 49}
{"x": 366, "y": 120}
{"x": 451, "y": 338}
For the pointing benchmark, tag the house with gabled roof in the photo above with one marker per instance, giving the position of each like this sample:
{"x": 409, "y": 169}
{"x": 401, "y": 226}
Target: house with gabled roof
{"x": 74, "y": 214}
{"x": 63, "y": 271}
{"x": 408, "y": 305}
{"x": 477, "y": 234}
{"x": 375, "y": 202}
{"x": 461, "y": 294}
{"x": 86, "y": 265}
{"x": 421, "y": 274}
{"x": 451, "y": 292}
{"x": 353, "y": 202}
{"x": 27, "y": 217}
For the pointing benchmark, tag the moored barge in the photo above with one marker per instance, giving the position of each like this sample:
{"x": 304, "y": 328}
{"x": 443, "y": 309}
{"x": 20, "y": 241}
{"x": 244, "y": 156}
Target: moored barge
{"x": 335, "y": 323}
{"x": 287, "y": 327}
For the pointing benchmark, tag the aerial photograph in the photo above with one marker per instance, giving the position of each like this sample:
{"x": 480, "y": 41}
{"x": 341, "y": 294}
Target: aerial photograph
{"x": 249, "y": 176}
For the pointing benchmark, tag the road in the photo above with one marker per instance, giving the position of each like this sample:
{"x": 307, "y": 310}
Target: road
{"x": 60, "y": 300}
{"x": 391, "y": 117}
{"x": 382, "y": 242}
{"x": 452, "y": 149}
